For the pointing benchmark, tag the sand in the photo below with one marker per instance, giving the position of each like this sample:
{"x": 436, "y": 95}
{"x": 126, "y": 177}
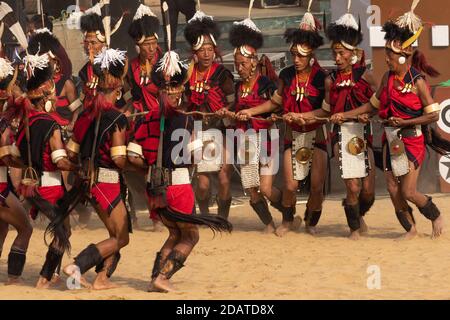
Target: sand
{"x": 250, "y": 265}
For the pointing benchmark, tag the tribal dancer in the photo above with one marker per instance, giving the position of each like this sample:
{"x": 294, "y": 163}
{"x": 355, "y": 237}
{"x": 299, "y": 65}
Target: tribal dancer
{"x": 347, "y": 88}
{"x": 11, "y": 210}
{"x": 254, "y": 89}
{"x": 41, "y": 146}
{"x": 99, "y": 139}
{"x": 144, "y": 30}
{"x": 404, "y": 101}
{"x": 169, "y": 188}
{"x": 209, "y": 89}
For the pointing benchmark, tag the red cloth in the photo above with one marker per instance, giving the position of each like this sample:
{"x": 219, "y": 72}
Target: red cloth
{"x": 106, "y": 195}
{"x": 349, "y": 97}
{"x": 147, "y": 135}
{"x": 179, "y": 198}
{"x": 51, "y": 194}
{"x": 254, "y": 99}
{"x": 311, "y": 102}
{"x": 213, "y": 98}
{"x": 149, "y": 91}
{"x": 4, "y": 192}
{"x": 394, "y": 103}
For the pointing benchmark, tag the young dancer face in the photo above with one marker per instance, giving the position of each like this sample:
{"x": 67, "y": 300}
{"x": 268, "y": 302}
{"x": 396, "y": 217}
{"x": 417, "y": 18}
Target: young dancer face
{"x": 92, "y": 46}
{"x": 301, "y": 62}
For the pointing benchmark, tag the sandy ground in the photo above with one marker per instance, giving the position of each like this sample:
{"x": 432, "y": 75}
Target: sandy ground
{"x": 251, "y": 265}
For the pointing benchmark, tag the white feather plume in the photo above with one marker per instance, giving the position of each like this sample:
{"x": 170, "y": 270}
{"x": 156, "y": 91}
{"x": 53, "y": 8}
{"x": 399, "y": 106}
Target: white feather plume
{"x": 200, "y": 15}
{"x": 42, "y": 30}
{"x": 6, "y": 68}
{"x": 169, "y": 64}
{"x": 108, "y": 57}
{"x": 410, "y": 20}
{"x": 35, "y": 61}
{"x": 248, "y": 23}
{"x": 97, "y": 9}
{"x": 348, "y": 20}
{"x": 308, "y": 22}
{"x": 143, "y": 10}
{"x": 250, "y": 7}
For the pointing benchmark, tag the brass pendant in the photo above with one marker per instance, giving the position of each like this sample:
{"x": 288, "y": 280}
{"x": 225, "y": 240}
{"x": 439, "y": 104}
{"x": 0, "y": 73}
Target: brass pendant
{"x": 356, "y": 146}
{"x": 396, "y": 147}
{"x": 303, "y": 155}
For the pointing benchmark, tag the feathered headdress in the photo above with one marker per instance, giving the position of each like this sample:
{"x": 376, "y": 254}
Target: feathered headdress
{"x": 8, "y": 18}
{"x": 145, "y": 24}
{"x": 170, "y": 72}
{"x": 201, "y": 28}
{"x": 346, "y": 32}
{"x": 98, "y": 20}
{"x": 39, "y": 75}
{"x": 111, "y": 66}
{"x": 245, "y": 36}
{"x": 306, "y": 38}
{"x": 406, "y": 29}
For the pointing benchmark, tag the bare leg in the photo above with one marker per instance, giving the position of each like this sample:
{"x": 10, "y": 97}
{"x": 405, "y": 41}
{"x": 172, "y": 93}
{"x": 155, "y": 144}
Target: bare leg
{"x": 289, "y": 197}
{"x": 367, "y": 195}
{"x": 16, "y": 216}
{"x": 315, "y": 200}
{"x": 189, "y": 238}
{"x": 409, "y": 191}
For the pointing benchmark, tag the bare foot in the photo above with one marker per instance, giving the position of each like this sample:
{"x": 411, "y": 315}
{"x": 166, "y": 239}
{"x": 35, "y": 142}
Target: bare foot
{"x": 43, "y": 283}
{"x": 438, "y": 227}
{"x": 103, "y": 284}
{"x": 270, "y": 228}
{"x": 13, "y": 281}
{"x": 354, "y": 235}
{"x": 411, "y": 234}
{"x": 71, "y": 270}
{"x": 163, "y": 285}
{"x": 297, "y": 223}
{"x": 158, "y": 226}
{"x": 283, "y": 229}
{"x": 363, "y": 229}
{"x": 151, "y": 288}
{"x": 310, "y": 230}
{"x": 56, "y": 278}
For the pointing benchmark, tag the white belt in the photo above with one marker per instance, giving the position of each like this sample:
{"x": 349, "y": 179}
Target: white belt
{"x": 180, "y": 176}
{"x": 107, "y": 176}
{"x": 3, "y": 174}
{"x": 51, "y": 178}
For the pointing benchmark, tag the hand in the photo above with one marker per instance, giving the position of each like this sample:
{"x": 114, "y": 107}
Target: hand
{"x": 224, "y": 112}
{"x": 289, "y": 117}
{"x": 396, "y": 122}
{"x": 274, "y": 117}
{"x": 337, "y": 118}
{"x": 363, "y": 118}
{"x": 298, "y": 119}
{"x": 243, "y": 115}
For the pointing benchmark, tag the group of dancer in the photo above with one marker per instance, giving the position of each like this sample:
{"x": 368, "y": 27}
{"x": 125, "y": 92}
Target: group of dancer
{"x": 60, "y": 149}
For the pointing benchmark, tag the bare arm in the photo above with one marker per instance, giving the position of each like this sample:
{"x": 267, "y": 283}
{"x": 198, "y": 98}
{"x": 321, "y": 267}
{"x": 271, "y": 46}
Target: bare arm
{"x": 119, "y": 139}
{"x": 63, "y": 163}
{"x": 10, "y": 160}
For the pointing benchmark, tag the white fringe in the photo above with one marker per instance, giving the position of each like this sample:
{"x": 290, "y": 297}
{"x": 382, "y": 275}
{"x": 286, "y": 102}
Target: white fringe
{"x": 348, "y": 20}
{"x": 110, "y": 56}
{"x": 249, "y": 24}
{"x": 169, "y": 64}
{"x": 6, "y": 68}
{"x": 200, "y": 15}
{"x": 308, "y": 22}
{"x": 143, "y": 10}
{"x": 35, "y": 61}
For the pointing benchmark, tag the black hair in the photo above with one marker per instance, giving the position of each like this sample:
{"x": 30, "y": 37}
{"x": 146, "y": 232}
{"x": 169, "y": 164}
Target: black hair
{"x": 242, "y": 35}
{"x": 159, "y": 80}
{"x": 337, "y": 33}
{"x": 36, "y": 20}
{"x": 298, "y": 36}
{"x": 394, "y": 32}
{"x": 145, "y": 26}
{"x": 196, "y": 28}
{"x": 91, "y": 22}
